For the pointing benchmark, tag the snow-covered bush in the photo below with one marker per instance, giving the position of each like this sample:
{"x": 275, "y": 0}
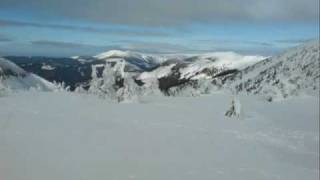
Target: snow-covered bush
{"x": 60, "y": 86}
{"x": 80, "y": 89}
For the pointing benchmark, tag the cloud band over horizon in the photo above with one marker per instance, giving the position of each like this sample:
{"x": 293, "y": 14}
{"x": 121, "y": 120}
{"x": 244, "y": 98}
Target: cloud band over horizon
{"x": 158, "y": 26}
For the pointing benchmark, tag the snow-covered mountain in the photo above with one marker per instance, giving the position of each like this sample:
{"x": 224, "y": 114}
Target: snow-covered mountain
{"x": 175, "y": 72}
{"x": 134, "y": 61}
{"x": 293, "y": 72}
{"x": 166, "y": 70}
{"x": 15, "y": 78}
{"x": 296, "y": 71}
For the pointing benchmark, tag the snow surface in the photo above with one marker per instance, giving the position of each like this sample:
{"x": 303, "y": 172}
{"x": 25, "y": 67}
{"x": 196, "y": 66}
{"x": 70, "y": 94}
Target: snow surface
{"x": 69, "y": 136}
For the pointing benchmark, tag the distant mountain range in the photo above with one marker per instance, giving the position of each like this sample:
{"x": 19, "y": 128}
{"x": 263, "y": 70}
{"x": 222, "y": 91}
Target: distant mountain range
{"x": 287, "y": 74}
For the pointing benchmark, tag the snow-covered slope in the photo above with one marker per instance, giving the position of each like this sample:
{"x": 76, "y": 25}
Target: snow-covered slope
{"x": 14, "y": 78}
{"x": 292, "y": 72}
{"x": 82, "y": 137}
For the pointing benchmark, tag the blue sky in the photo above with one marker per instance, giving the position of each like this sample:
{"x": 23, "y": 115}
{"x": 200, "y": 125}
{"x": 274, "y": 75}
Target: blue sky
{"x": 49, "y": 28}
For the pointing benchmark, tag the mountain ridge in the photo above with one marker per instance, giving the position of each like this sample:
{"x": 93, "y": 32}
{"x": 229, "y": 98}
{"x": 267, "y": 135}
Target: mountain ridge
{"x": 287, "y": 74}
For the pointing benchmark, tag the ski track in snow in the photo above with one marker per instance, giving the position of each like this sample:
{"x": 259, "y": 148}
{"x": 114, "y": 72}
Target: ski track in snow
{"x": 68, "y": 136}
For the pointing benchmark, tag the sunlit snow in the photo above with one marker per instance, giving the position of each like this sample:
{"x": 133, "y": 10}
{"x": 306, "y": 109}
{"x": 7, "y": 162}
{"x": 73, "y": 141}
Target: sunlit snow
{"x": 70, "y": 136}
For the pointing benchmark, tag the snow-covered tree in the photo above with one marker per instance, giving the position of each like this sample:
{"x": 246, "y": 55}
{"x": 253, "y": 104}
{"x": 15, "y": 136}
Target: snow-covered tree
{"x": 130, "y": 90}
{"x": 152, "y": 89}
{"x": 95, "y": 83}
{"x": 115, "y": 83}
{"x": 235, "y": 109}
